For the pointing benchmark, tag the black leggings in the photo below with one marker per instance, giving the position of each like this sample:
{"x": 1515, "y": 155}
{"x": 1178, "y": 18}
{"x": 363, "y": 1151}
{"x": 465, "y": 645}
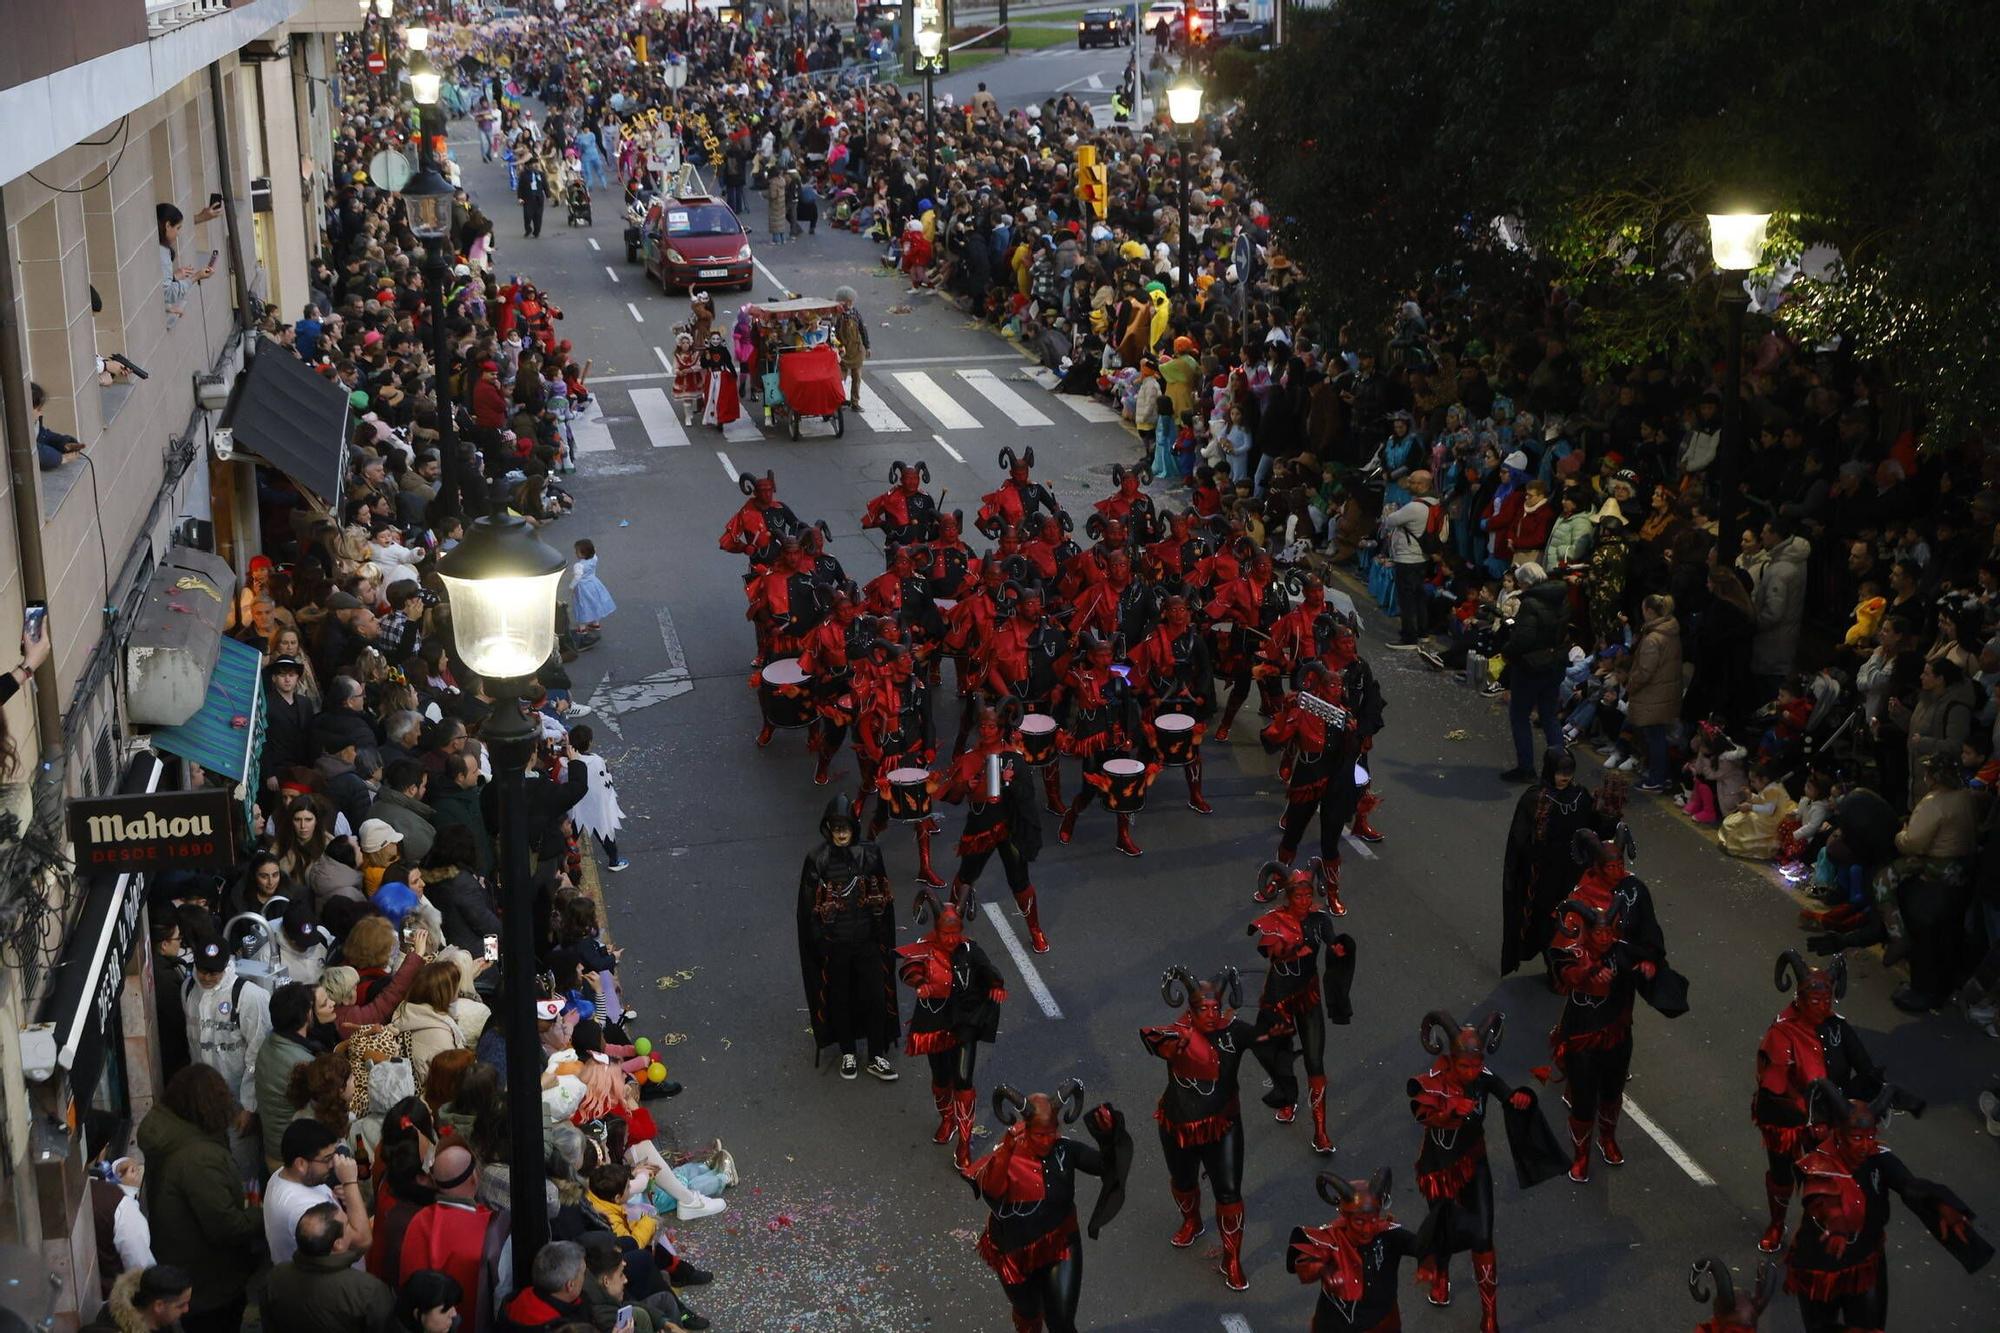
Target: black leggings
{"x": 610, "y": 848}
{"x": 855, "y": 978}
{"x": 1051, "y": 1294}
{"x": 1011, "y": 860}
{"x": 1276, "y": 1055}
{"x": 1596, "y": 1080}
{"x": 1864, "y": 1310}
{"x": 1335, "y": 806}
{"x": 953, "y": 1068}
{"x": 1221, "y": 1160}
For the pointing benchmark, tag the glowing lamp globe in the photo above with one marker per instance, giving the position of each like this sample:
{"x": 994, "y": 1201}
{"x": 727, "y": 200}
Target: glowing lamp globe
{"x": 1737, "y": 239}
{"x": 501, "y": 582}
{"x": 1184, "y": 101}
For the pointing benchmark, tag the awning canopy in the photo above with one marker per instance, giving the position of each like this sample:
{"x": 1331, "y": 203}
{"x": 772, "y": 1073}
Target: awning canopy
{"x": 226, "y": 734}
{"x": 292, "y": 418}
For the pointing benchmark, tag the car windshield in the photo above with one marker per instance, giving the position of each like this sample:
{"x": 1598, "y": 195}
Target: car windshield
{"x": 701, "y": 220}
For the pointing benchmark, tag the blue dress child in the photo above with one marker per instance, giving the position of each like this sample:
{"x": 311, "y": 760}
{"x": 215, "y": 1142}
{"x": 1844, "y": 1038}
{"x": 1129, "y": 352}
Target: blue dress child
{"x": 589, "y": 600}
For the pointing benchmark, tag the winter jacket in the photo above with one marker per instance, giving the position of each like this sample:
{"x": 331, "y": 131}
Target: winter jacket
{"x": 378, "y": 1011}
{"x": 431, "y": 1035}
{"x": 281, "y": 1054}
{"x": 226, "y": 1027}
{"x": 1779, "y": 603}
{"x": 1535, "y": 641}
{"x": 194, "y": 1199}
{"x": 529, "y": 1309}
{"x": 640, "y": 1231}
{"x": 288, "y": 733}
{"x": 1532, "y": 527}
{"x": 1653, "y": 683}
{"x": 1945, "y": 826}
{"x": 453, "y": 804}
{"x": 1939, "y": 723}
{"x": 1569, "y": 540}
{"x": 329, "y": 879}
{"x": 464, "y": 905}
{"x": 1403, "y": 531}
{"x": 119, "y": 1314}
{"x": 413, "y": 819}
{"x": 327, "y": 1294}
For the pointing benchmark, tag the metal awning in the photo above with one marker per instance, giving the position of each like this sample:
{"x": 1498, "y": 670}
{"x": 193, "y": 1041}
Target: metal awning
{"x": 226, "y": 734}
{"x": 292, "y": 418}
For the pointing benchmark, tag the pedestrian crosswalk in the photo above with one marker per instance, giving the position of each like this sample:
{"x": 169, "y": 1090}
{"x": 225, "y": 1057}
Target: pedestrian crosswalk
{"x": 954, "y": 402}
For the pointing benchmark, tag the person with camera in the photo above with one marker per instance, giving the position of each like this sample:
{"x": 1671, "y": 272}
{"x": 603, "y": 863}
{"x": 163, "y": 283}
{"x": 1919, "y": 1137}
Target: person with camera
{"x": 318, "y": 1169}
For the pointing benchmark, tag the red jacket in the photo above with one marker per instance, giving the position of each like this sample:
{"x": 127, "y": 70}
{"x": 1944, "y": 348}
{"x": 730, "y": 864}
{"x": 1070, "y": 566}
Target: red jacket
{"x": 457, "y": 1238}
{"x": 1532, "y": 526}
{"x": 489, "y": 404}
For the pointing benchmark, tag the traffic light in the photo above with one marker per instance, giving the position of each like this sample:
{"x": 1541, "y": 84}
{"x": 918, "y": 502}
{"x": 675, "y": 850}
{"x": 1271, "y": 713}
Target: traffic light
{"x": 1093, "y": 181}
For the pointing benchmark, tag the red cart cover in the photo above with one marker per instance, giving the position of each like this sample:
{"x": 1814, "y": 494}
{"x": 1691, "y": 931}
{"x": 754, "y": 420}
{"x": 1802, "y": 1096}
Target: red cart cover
{"x": 811, "y": 381}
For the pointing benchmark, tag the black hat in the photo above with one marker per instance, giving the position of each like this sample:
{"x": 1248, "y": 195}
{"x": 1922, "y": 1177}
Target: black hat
{"x": 286, "y": 663}
{"x": 211, "y": 956}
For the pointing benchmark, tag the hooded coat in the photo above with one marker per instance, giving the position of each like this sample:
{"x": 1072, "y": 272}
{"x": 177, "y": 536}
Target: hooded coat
{"x": 1779, "y": 603}
{"x": 831, "y": 946}
{"x": 194, "y": 1199}
{"x": 1653, "y": 683}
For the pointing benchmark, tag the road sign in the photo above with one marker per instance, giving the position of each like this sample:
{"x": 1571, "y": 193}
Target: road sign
{"x": 376, "y": 62}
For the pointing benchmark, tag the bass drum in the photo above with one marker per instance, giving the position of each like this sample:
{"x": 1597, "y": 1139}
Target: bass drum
{"x": 1038, "y": 740}
{"x": 909, "y": 794}
{"x": 1175, "y": 734}
{"x": 1126, "y": 792}
{"x": 784, "y": 694}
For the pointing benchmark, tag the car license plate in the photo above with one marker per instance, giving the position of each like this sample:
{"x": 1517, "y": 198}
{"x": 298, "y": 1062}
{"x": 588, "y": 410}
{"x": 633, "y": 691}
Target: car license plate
{"x": 714, "y": 273}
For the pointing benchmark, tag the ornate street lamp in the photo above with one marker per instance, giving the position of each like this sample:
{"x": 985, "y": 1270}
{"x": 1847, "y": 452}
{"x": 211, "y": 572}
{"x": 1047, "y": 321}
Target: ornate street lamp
{"x": 1737, "y": 242}
{"x": 1184, "y": 109}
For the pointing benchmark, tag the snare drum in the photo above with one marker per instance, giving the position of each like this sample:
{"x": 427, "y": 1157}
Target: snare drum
{"x": 909, "y": 797}
{"x": 1038, "y": 740}
{"x": 1174, "y": 733}
{"x": 1126, "y": 793}
{"x": 784, "y": 694}
{"x": 945, "y": 605}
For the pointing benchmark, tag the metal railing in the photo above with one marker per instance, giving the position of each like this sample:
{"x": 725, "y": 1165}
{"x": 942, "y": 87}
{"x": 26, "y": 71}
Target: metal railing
{"x": 164, "y": 14}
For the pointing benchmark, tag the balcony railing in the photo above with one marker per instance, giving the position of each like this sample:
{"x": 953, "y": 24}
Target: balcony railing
{"x": 162, "y": 15}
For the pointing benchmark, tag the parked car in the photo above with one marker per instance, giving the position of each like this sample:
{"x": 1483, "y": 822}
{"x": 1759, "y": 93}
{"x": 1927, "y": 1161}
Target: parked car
{"x": 1160, "y": 11}
{"x": 694, "y": 241}
{"x": 1102, "y": 27}
{"x": 1251, "y": 34}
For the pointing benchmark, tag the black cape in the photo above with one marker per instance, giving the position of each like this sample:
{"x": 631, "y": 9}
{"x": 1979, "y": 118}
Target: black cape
{"x": 1539, "y": 869}
{"x": 812, "y": 961}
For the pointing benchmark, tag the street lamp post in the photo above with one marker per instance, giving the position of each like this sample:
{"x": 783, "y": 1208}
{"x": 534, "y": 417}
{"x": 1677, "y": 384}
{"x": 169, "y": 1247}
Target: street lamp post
{"x": 1737, "y": 242}
{"x": 501, "y": 585}
{"x": 1184, "y": 109}
{"x": 428, "y": 201}
{"x": 930, "y": 44}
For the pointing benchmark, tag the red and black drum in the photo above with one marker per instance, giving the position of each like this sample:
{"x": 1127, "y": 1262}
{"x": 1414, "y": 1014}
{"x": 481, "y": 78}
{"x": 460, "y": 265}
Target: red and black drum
{"x": 784, "y": 694}
{"x": 1125, "y": 785}
{"x": 909, "y": 794}
{"x": 1038, "y": 739}
{"x": 1174, "y": 734}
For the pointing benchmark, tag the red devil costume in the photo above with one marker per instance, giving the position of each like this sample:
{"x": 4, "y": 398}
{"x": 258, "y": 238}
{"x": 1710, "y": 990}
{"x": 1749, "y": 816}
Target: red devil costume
{"x": 1019, "y": 499}
{"x": 1591, "y": 1042}
{"x": 1100, "y": 720}
{"x": 1453, "y": 1174}
{"x": 1291, "y": 936}
{"x": 1131, "y": 505}
{"x": 894, "y": 729}
{"x": 1200, "y": 1116}
{"x": 959, "y": 993}
{"x": 755, "y": 529}
{"x": 1805, "y": 1043}
{"x": 1711, "y": 1283}
{"x": 1250, "y": 603}
{"x": 1323, "y": 737}
{"x": 905, "y": 512}
{"x": 991, "y": 778}
{"x": 1029, "y": 1184}
{"x": 1355, "y": 1258}
{"x": 847, "y": 937}
{"x": 1836, "y": 1266}
{"x": 826, "y": 655}
{"x": 1026, "y": 660}
{"x": 1171, "y": 667}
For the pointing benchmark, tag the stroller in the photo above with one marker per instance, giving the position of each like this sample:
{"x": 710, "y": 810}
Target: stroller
{"x": 577, "y": 197}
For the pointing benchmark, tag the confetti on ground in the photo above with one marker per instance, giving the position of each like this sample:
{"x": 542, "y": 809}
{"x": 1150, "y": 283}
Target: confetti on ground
{"x": 899, "y": 310}
{"x": 674, "y": 1039}
{"x": 624, "y": 522}
{"x": 1455, "y": 734}
{"x": 725, "y": 1043}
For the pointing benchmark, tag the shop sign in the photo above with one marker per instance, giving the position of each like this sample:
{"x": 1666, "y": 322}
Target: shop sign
{"x": 153, "y": 832}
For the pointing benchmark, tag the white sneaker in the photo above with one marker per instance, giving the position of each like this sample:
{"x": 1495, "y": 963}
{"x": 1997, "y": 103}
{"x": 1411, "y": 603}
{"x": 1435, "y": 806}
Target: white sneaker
{"x": 849, "y": 1067}
{"x": 1989, "y": 1107}
{"x": 1614, "y": 759}
{"x": 1630, "y": 765}
{"x": 702, "y": 1206}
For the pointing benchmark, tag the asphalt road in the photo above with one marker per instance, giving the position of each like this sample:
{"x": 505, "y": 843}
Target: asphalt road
{"x": 847, "y": 1217}
{"x": 1031, "y": 77}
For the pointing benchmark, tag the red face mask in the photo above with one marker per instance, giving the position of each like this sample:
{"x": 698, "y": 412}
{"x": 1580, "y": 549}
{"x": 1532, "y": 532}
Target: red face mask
{"x": 1051, "y": 531}
{"x": 1857, "y": 1142}
{"x": 1176, "y": 619}
{"x": 1043, "y": 1127}
{"x": 1816, "y": 1003}
{"x": 947, "y": 529}
{"x": 1207, "y": 1013}
{"x": 765, "y": 491}
{"x": 1466, "y": 1066}
{"x": 1365, "y": 1218}
{"x": 911, "y": 481}
{"x": 1299, "y": 897}
{"x": 1129, "y": 487}
{"x": 1261, "y": 567}
{"x": 1031, "y": 610}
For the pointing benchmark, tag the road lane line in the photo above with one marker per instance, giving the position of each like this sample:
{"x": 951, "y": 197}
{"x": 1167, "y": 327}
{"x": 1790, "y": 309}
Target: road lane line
{"x": 1667, "y": 1145}
{"x": 635, "y": 312}
{"x": 941, "y": 360}
{"x": 767, "y": 273}
{"x": 933, "y": 399}
{"x": 947, "y": 447}
{"x": 590, "y": 431}
{"x": 1366, "y": 851}
{"x": 593, "y": 242}
{"x": 727, "y": 466}
{"x": 665, "y": 364}
{"x": 1088, "y": 408}
{"x": 872, "y": 412}
{"x": 1029, "y": 976}
{"x": 1235, "y": 1323}
{"x": 611, "y": 273}
{"x": 633, "y": 377}
{"x": 990, "y": 387}
{"x": 657, "y": 415}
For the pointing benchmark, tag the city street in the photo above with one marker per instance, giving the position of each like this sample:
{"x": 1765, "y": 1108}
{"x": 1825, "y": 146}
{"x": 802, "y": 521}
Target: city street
{"x": 847, "y": 1217}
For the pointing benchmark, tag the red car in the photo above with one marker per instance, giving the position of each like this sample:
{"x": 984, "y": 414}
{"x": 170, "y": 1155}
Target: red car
{"x": 694, "y": 241}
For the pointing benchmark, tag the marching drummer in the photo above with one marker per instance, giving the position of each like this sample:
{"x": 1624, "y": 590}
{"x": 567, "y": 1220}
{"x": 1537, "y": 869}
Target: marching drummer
{"x": 1325, "y": 738}
{"x": 991, "y": 778}
{"x": 1100, "y": 730}
{"x": 1172, "y": 670}
{"x": 1026, "y": 658}
{"x": 894, "y": 736}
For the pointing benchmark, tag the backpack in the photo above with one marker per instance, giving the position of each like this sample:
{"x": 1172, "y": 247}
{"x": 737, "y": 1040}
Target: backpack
{"x": 1436, "y": 528}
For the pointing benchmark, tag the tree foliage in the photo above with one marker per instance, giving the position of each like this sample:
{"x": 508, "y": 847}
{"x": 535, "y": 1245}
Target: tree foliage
{"x": 1389, "y": 135}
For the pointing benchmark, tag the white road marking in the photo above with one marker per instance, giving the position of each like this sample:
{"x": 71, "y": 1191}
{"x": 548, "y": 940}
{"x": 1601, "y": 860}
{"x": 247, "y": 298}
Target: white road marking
{"x": 934, "y": 400}
{"x": 873, "y": 413}
{"x": 593, "y": 242}
{"x": 1235, "y": 1323}
{"x": 1367, "y": 852}
{"x": 665, "y": 364}
{"x": 942, "y": 444}
{"x": 938, "y": 360}
{"x": 990, "y": 387}
{"x": 635, "y": 312}
{"x": 1088, "y": 408}
{"x": 611, "y": 699}
{"x": 775, "y": 281}
{"x": 634, "y": 377}
{"x": 1031, "y": 978}
{"x": 727, "y": 466}
{"x": 1094, "y": 83}
{"x": 743, "y": 430}
{"x": 1673, "y": 1150}
{"x": 590, "y": 431}
{"x": 611, "y": 273}
{"x": 657, "y": 415}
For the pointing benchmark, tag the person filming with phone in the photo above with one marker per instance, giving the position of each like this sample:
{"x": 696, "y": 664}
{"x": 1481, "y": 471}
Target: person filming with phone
{"x": 34, "y": 652}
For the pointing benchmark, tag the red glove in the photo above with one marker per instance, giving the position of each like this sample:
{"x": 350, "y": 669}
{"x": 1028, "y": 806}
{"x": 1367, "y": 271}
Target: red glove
{"x": 1648, "y": 970}
{"x": 1521, "y": 1099}
{"x": 1100, "y": 1118}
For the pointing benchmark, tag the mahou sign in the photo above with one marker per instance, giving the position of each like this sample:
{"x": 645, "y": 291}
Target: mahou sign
{"x": 161, "y": 831}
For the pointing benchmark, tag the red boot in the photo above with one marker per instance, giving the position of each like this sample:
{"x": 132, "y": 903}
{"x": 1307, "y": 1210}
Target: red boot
{"x": 1316, "y": 1099}
{"x": 819, "y": 769}
{"x": 1362, "y": 828}
{"x": 1189, "y": 1202}
{"x": 1228, "y": 718}
{"x": 1778, "y": 1195}
{"x": 1052, "y": 790}
{"x": 1287, "y": 1113}
{"x": 764, "y": 735}
{"x": 961, "y": 1121}
{"x": 941, "y": 1098}
{"x": 1125, "y": 843}
{"x": 1068, "y": 829}
{"x": 1486, "y": 1272}
{"x": 1025, "y": 900}
{"x": 1333, "y": 903}
{"x": 926, "y": 875}
{"x": 1607, "y": 1131}
{"x": 1579, "y": 1140}
{"x": 1196, "y": 801}
{"x": 1229, "y": 1218}
{"x": 1438, "y": 1273}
